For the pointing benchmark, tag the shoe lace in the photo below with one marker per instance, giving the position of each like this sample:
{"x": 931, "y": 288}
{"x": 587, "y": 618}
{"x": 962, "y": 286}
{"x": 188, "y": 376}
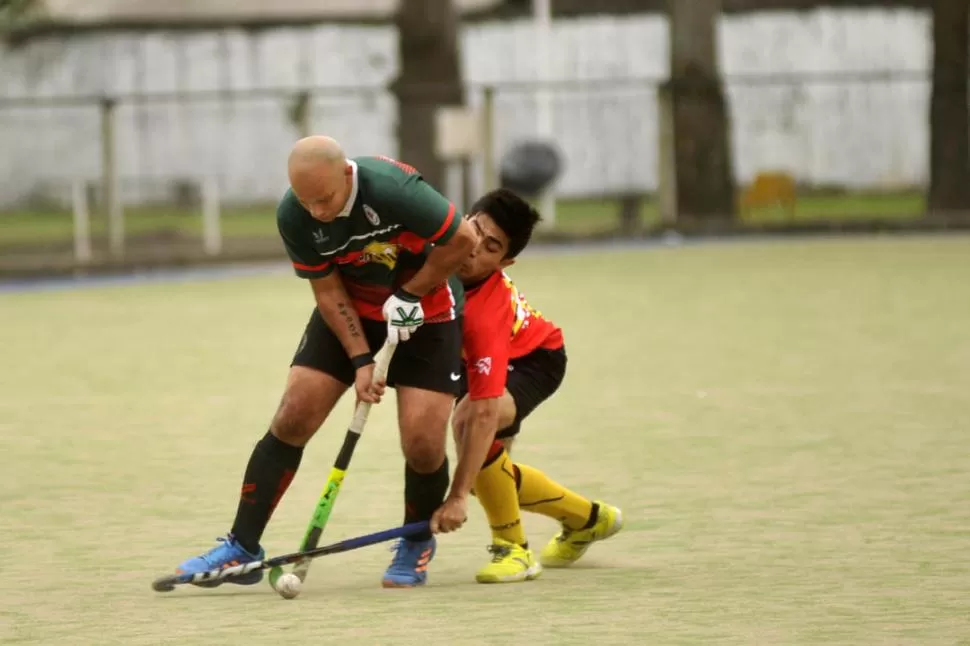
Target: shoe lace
{"x": 222, "y": 540}
{"x": 564, "y": 535}
{"x": 401, "y": 555}
{"x": 499, "y": 552}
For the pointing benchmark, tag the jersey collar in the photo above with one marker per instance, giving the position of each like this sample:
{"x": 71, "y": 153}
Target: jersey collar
{"x": 478, "y": 283}
{"x": 349, "y": 206}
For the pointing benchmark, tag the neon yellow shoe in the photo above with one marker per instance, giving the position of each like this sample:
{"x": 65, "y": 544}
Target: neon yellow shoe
{"x": 570, "y": 544}
{"x": 510, "y": 563}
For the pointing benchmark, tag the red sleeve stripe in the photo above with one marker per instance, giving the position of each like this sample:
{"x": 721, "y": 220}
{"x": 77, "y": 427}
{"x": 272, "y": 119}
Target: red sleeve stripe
{"x": 407, "y": 168}
{"x": 311, "y": 267}
{"x": 444, "y": 227}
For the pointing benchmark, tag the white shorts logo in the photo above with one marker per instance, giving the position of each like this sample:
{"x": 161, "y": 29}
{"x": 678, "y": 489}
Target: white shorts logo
{"x": 484, "y": 365}
{"x": 371, "y": 215}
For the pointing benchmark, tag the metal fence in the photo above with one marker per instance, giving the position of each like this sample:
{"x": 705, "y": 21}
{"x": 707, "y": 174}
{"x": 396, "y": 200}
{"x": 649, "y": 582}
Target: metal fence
{"x": 864, "y": 132}
{"x": 853, "y": 132}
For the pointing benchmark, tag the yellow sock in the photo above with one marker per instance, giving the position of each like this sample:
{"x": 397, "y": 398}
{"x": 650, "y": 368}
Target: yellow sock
{"x": 495, "y": 490}
{"x": 540, "y": 494}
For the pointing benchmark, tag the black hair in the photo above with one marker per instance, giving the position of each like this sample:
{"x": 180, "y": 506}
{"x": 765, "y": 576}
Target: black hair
{"x": 513, "y": 215}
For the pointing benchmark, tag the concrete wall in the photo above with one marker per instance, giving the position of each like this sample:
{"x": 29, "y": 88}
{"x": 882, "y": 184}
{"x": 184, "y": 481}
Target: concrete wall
{"x": 797, "y": 116}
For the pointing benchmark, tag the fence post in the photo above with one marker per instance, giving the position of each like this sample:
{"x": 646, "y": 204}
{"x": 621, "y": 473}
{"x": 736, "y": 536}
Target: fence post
{"x": 301, "y": 113}
{"x": 666, "y": 155}
{"x": 109, "y": 179}
{"x": 489, "y": 169}
{"x": 211, "y": 217}
{"x": 542, "y": 24}
{"x": 82, "y": 222}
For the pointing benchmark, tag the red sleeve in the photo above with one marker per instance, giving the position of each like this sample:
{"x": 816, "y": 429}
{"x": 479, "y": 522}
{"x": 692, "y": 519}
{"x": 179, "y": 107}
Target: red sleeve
{"x": 487, "y": 342}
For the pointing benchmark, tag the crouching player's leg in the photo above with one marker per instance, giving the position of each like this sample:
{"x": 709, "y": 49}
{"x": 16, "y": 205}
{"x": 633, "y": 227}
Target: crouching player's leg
{"x": 504, "y": 488}
{"x": 475, "y": 422}
{"x": 422, "y": 374}
{"x": 532, "y": 380}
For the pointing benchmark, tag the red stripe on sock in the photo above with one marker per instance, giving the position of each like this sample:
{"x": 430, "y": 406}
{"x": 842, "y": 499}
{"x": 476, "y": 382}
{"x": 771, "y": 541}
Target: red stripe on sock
{"x": 281, "y": 489}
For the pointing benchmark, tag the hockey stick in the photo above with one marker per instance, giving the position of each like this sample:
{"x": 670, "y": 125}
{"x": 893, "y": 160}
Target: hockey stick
{"x": 321, "y": 514}
{"x": 168, "y": 583}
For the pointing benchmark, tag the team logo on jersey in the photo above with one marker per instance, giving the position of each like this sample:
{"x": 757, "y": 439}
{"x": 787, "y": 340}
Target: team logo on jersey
{"x": 319, "y": 237}
{"x": 484, "y": 365}
{"x": 520, "y": 307}
{"x": 371, "y": 215}
{"x": 384, "y": 253}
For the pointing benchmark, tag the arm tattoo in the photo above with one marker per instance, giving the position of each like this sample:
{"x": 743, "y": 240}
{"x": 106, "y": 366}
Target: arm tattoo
{"x": 348, "y": 317}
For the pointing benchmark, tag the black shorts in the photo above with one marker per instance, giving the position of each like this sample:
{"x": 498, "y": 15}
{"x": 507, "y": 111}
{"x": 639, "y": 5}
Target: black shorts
{"x": 430, "y": 359}
{"x": 531, "y": 380}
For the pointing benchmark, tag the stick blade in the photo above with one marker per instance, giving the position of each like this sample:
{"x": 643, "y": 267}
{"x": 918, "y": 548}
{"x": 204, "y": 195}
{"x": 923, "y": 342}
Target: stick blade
{"x": 301, "y": 569}
{"x": 274, "y": 575}
{"x": 165, "y": 583}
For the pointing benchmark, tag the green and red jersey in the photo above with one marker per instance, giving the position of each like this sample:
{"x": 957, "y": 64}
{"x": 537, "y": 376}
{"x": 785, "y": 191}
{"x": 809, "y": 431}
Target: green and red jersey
{"x": 380, "y": 239}
{"x": 500, "y": 325}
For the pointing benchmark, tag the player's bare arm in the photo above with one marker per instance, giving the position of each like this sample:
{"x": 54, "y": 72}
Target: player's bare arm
{"x": 423, "y": 211}
{"x": 443, "y": 260}
{"x": 481, "y": 423}
{"x": 341, "y": 316}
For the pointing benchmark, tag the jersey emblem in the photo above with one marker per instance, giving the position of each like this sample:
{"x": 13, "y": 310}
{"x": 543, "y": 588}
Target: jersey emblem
{"x": 319, "y": 237}
{"x": 520, "y": 306}
{"x": 384, "y": 253}
{"x": 484, "y": 365}
{"x": 371, "y": 215}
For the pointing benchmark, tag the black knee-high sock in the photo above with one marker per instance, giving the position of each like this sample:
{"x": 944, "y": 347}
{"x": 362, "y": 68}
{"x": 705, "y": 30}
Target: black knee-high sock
{"x": 268, "y": 475}
{"x": 423, "y": 494}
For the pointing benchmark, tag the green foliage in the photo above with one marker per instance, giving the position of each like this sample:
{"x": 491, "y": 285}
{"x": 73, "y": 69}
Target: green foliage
{"x": 16, "y": 12}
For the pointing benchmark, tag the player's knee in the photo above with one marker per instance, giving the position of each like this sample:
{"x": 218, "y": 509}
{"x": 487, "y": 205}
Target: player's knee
{"x": 424, "y": 452}
{"x": 297, "y": 418}
{"x": 292, "y": 423}
{"x": 309, "y": 397}
{"x": 423, "y": 417}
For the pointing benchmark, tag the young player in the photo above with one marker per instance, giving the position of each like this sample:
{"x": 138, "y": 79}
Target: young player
{"x": 346, "y": 224}
{"x": 514, "y": 360}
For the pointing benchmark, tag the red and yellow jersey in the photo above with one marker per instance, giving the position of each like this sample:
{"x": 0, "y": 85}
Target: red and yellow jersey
{"x": 500, "y": 325}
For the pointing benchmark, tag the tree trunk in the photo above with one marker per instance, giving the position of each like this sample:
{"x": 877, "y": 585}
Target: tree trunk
{"x": 430, "y": 77}
{"x": 949, "y": 111}
{"x": 704, "y": 169}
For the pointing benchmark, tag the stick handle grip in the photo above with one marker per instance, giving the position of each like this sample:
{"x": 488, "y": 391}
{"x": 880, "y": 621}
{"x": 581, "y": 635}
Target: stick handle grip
{"x": 383, "y": 363}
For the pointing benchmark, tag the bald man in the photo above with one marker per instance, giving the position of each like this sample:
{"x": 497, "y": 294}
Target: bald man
{"x": 379, "y": 247}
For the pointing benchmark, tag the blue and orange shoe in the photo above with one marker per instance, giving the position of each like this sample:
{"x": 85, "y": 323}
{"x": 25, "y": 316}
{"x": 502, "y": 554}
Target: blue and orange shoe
{"x": 409, "y": 568}
{"x": 227, "y": 553}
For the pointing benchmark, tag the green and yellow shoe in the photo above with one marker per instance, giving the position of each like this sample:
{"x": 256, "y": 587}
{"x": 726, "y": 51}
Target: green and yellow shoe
{"x": 569, "y": 545}
{"x": 510, "y": 563}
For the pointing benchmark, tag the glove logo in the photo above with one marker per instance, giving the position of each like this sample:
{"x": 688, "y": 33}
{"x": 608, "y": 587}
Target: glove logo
{"x": 409, "y": 318}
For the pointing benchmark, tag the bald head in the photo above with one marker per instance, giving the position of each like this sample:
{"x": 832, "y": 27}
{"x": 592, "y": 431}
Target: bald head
{"x": 320, "y": 176}
{"x": 315, "y": 151}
